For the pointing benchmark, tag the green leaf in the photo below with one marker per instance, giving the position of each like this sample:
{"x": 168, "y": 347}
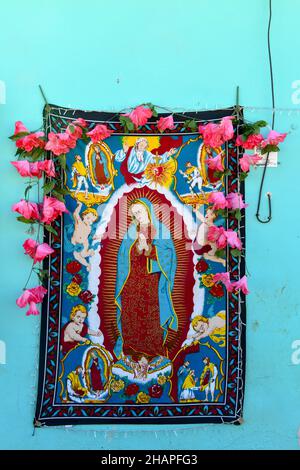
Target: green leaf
{"x": 58, "y": 196}
{"x": 126, "y": 123}
{"x": 269, "y": 148}
{"x": 18, "y": 136}
{"x": 220, "y": 253}
{"x": 218, "y": 174}
{"x": 261, "y": 123}
{"x": 227, "y": 172}
{"x": 236, "y": 253}
{"x": 238, "y": 214}
{"x": 48, "y": 187}
{"x": 222, "y": 213}
{"x": 153, "y": 109}
{"x": 62, "y": 159}
{"x": 243, "y": 175}
{"x": 84, "y": 137}
{"x": 42, "y": 274}
{"x": 62, "y": 190}
{"x": 50, "y": 229}
{"x": 191, "y": 124}
{"x": 36, "y": 154}
{"x": 26, "y": 221}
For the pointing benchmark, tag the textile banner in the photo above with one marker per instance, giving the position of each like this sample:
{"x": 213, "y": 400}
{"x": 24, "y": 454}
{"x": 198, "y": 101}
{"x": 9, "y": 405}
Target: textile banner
{"x": 134, "y": 328}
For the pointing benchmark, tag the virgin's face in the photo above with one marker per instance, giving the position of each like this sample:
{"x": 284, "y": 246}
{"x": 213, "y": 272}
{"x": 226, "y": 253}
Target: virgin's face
{"x": 140, "y": 213}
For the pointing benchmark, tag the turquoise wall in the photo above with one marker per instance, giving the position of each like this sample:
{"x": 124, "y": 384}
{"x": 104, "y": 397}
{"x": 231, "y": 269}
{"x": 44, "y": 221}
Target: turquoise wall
{"x": 109, "y": 55}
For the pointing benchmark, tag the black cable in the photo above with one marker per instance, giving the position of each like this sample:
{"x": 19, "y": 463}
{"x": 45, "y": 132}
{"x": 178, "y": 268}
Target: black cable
{"x": 262, "y": 221}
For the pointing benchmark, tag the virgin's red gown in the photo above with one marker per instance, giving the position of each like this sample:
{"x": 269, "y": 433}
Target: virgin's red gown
{"x": 96, "y": 381}
{"x": 141, "y": 330}
{"x": 100, "y": 175}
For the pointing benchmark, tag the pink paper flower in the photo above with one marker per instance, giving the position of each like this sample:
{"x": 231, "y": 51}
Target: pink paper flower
{"x": 27, "y": 209}
{"x": 48, "y": 167}
{"x": 37, "y": 251}
{"x": 74, "y": 131}
{"x": 215, "y": 163}
{"x": 30, "y": 247}
{"x": 252, "y": 141}
{"x": 19, "y": 127}
{"x": 60, "y": 143}
{"x": 222, "y": 237}
{"x": 100, "y": 132}
{"x": 165, "y": 123}
{"x": 31, "y": 141}
{"x": 51, "y": 209}
{"x": 215, "y": 135}
{"x": 212, "y": 134}
{"x": 139, "y": 116}
{"x": 241, "y": 284}
{"x": 23, "y": 167}
{"x": 80, "y": 122}
{"x": 247, "y": 160}
{"x": 233, "y": 239}
{"x": 35, "y": 169}
{"x": 217, "y": 235}
{"x": 273, "y": 138}
{"x": 227, "y": 128}
{"x": 218, "y": 200}
{"x": 225, "y": 279}
{"x": 31, "y": 297}
{"x": 33, "y": 310}
{"x": 235, "y": 201}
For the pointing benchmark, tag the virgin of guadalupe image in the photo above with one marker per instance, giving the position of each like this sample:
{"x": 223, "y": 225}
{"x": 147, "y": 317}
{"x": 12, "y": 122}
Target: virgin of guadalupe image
{"x": 101, "y": 169}
{"x": 146, "y": 267}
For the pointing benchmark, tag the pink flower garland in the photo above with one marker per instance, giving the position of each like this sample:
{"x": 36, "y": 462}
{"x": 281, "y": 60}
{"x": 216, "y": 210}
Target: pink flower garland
{"x": 214, "y": 135}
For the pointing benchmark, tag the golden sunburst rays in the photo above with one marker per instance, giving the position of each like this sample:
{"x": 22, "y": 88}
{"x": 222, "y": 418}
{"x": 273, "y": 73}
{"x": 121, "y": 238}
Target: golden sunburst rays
{"x": 161, "y": 173}
{"x": 109, "y": 255}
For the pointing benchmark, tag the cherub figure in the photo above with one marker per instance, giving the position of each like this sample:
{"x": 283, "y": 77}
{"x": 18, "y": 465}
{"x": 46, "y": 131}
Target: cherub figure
{"x": 82, "y": 231}
{"x": 142, "y": 367}
{"x": 76, "y": 331}
{"x": 203, "y": 327}
{"x": 201, "y": 242}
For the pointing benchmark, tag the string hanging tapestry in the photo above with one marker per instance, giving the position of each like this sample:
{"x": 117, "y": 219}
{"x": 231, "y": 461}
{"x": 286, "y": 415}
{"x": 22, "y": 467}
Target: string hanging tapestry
{"x": 135, "y": 328}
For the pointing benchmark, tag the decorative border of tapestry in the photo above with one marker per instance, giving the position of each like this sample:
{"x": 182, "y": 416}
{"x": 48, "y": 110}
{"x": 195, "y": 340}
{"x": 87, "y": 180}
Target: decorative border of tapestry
{"x": 134, "y": 328}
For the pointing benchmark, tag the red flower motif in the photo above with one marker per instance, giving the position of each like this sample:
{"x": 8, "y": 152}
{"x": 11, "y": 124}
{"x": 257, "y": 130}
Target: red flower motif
{"x": 77, "y": 278}
{"x": 217, "y": 290}
{"x": 155, "y": 391}
{"x": 131, "y": 389}
{"x": 73, "y": 267}
{"x": 86, "y": 296}
{"x": 201, "y": 266}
